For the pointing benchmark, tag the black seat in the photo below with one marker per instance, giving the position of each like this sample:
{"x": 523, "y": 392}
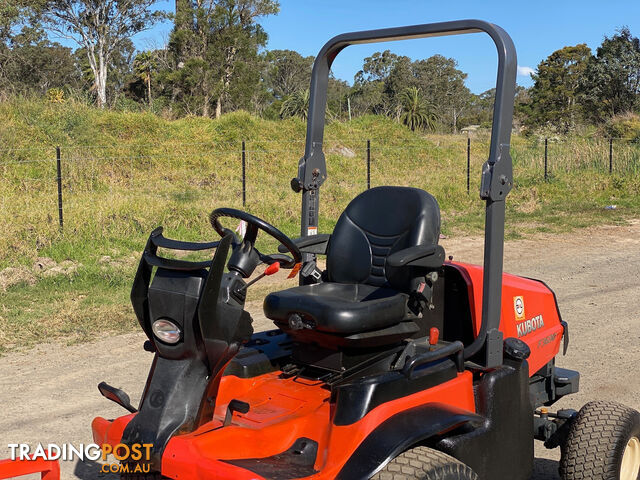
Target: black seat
{"x": 362, "y": 292}
{"x": 341, "y": 308}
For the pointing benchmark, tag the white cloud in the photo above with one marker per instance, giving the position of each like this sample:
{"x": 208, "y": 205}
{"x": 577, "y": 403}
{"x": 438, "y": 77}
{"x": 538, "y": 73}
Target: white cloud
{"x": 525, "y": 71}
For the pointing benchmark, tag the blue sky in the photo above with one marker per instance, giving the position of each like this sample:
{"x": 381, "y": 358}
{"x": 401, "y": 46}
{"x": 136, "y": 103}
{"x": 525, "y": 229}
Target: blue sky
{"x": 537, "y": 27}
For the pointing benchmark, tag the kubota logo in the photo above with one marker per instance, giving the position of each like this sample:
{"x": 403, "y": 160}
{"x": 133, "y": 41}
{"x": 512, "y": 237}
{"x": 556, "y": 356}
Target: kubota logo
{"x": 528, "y": 326}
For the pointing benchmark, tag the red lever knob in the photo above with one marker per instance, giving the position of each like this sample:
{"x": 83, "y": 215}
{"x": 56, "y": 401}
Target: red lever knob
{"x": 273, "y": 268}
{"x": 434, "y": 334}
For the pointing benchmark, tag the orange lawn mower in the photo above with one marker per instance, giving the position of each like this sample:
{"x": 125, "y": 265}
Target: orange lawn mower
{"x": 393, "y": 363}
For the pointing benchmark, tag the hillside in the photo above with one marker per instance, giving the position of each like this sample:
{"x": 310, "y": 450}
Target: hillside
{"x": 125, "y": 173}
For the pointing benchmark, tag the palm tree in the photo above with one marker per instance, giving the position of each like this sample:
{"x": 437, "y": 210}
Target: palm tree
{"x": 416, "y": 112}
{"x": 296, "y": 105}
{"x": 144, "y": 64}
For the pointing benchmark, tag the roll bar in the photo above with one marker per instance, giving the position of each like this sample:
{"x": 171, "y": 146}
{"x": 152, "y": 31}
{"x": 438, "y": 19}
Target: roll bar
{"x": 497, "y": 176}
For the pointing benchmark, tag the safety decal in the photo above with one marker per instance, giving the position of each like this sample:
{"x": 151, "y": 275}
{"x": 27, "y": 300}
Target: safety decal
{"x": 518, "y": 307}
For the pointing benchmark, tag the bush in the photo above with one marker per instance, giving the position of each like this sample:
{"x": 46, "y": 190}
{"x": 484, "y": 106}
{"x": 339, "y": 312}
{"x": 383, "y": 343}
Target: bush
{"x": 626, "y": 126}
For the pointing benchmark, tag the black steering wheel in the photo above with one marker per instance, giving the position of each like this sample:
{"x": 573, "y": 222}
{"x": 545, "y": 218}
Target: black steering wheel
{"x": 248, "y": 256}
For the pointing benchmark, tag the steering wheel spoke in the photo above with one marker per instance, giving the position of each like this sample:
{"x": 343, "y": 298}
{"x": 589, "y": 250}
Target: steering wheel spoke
{"x": 278, "y": 257}
{"x": 251, "y": 234}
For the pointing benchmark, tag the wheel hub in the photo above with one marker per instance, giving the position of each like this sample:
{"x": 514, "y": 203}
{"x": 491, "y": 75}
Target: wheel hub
{"x": 631, "y": 460}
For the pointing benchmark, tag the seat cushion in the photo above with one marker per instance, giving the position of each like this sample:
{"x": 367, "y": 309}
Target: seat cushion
{"x": 339, "y": 308}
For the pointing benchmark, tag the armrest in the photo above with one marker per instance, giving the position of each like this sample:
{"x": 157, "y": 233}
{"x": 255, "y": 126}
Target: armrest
{"x": 427, "y": 256}
{"x": 311, "y": 244}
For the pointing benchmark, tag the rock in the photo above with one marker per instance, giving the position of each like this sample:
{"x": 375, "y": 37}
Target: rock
{"x": 343, "y": 151}
{"x": 15, "y": 275}
{"x": 43, "y": 263}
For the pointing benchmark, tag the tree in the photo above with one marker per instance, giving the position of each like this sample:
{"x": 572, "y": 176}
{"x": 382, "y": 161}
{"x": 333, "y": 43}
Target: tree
{"x": 144, "y": 64}
{"x": 37, "y": 66}
{"x": 377, "y": 86}
{"x": 99, "y": 28}
{"x": 612, "y": 78}
{"x": 9, "y": 15}
{"x": 13, "y": 14}
{"x": 29, "y": 61}
{"x": 287, "y": 72}
{"x": 216, "y": 51}
{"x": 416, "y": 113}
{"x": 442, "y": 84}
{"x": 555, "y": 99}
{"x": 381, "y": 85}
{"x": 337, "y": 94}
{"x": 119, "y": 67}
{"x": 480, "y": 111}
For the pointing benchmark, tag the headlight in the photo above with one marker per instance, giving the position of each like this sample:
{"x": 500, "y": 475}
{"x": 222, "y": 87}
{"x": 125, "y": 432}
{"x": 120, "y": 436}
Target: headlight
{"x": 166, "y": 330}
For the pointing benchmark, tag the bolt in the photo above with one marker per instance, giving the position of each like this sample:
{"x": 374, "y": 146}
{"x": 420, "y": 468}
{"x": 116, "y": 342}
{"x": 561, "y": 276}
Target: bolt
{"x": 295, "y": 322}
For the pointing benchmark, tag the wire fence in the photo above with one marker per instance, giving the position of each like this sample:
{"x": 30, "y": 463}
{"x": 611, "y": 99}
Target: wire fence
{"x": 128, "y": 183}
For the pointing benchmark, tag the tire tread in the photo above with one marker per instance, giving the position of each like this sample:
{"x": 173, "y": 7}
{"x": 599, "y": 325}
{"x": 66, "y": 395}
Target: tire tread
{"x": 592, "y": 448}
{"x": 422, "y": 463}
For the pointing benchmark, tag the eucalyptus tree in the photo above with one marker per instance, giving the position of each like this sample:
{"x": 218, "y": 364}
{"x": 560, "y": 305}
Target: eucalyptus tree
{"x": 99, "y": 28}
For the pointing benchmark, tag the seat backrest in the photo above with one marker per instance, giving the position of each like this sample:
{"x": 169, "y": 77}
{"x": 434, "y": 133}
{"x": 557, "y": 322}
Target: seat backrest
{"x": 374, "y": 225}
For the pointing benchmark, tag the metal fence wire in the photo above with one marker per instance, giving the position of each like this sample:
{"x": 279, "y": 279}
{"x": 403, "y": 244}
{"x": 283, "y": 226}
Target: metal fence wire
{"x": 79, "y": 182}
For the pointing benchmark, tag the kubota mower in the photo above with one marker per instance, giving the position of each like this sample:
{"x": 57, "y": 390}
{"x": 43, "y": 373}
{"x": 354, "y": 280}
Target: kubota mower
{"x": 393, "y": 363}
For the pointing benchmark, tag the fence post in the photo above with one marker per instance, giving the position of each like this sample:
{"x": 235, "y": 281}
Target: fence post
{"x": 546, "y": 143}
{"x": 468, "y": 162}
{"x": 244, "y": 175}
{"x": 59, "y": 181}
{"x": 368, "y": 164}
{"x": 610, "y": 155}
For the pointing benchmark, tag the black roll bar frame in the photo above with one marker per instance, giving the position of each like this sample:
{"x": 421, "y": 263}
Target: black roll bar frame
{"x": 497, "y": 175}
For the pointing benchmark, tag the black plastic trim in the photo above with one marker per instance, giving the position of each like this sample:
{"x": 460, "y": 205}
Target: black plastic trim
{"x": 163, "y": 242}
{"x": 453, "y": 350}
{"x": 172, "y": 264}
{"x": 354, "y": 399}
{"x": 312, "y": 244}
{"x": 503, "y": 446}
{"x": 295, "y": 462}
{"x": 400, "y": 432}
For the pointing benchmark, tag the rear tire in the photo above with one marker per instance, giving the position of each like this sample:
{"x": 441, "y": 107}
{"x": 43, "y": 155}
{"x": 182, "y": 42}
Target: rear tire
{"x": 603, "y": 444}
{"x": 422, "y": 463}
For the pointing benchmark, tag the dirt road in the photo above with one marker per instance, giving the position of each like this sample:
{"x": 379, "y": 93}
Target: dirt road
{"x": 49, "y": 394}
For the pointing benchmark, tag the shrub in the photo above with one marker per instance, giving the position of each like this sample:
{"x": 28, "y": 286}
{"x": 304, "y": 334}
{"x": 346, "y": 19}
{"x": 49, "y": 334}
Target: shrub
{"x": 626, "y": 126}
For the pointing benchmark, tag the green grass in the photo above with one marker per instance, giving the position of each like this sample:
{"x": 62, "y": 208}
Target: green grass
{"x": 126, "y": 173}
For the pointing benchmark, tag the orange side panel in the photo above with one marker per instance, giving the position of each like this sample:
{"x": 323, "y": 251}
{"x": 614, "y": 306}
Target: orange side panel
{"x": 284, "y": 410}
{"x": 48, "y": 469}
{"x": 529, "y": 312}
{"x": 109, "y": 431}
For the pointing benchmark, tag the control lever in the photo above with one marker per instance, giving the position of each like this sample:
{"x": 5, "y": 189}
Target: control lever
{"x": 235, "y": 406}
{"x": 116, "y": 395}
{"x": 434, "y": 335}
{"x": 270, "y": 270}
